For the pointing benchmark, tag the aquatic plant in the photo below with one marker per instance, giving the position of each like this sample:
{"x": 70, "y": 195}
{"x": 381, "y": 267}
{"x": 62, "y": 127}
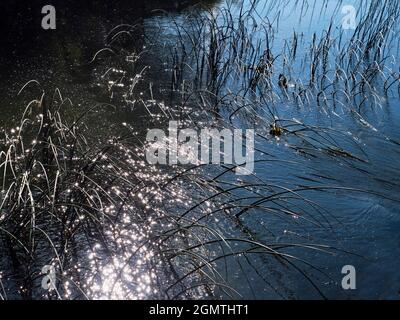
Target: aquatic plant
{"x": 113, "y": 226}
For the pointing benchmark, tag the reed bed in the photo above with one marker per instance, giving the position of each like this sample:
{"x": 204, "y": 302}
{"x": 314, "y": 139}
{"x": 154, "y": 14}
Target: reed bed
{"x": 113, "y": 226}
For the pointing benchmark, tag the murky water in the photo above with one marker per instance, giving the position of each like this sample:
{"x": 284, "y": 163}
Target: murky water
{"x": 351, "y": 216}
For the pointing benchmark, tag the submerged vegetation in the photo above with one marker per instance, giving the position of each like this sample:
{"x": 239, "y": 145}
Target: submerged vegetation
{"x": 113, "y": 226}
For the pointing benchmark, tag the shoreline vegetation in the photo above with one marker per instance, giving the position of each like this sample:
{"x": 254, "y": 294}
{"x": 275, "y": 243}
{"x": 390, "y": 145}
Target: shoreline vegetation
{"x": 115, "y": 227}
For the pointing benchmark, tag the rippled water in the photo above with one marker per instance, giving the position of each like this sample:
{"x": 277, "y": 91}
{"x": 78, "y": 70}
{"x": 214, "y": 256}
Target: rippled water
{"x": 354, "y": 221}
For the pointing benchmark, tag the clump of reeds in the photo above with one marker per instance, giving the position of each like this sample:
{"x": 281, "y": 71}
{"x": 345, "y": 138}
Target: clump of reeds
{"x": 114, "y": 227}
{"x": 231, "y": 51}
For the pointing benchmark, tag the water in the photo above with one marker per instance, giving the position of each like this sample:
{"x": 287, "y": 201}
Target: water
{"x": 358, "y": 222}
